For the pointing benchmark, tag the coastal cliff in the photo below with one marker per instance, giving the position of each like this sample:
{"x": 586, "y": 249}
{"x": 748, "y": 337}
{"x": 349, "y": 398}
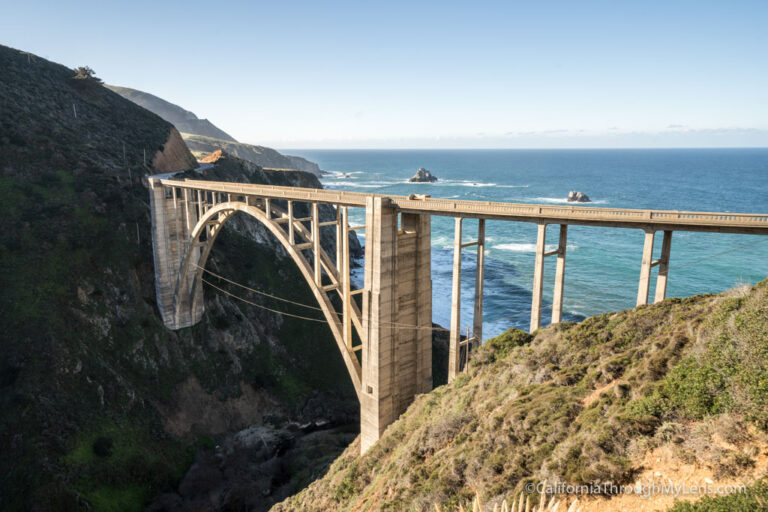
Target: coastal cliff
{"x": 103, "y": 408}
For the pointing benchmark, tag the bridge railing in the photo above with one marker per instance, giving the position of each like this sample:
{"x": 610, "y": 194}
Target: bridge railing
{"x": 488, "y": 209}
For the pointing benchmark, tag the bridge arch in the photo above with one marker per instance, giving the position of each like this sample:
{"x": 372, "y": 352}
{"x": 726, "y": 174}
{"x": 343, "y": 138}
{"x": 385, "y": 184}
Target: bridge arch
{"x": 394, "y": 361}
{"x": 202, "y": 237}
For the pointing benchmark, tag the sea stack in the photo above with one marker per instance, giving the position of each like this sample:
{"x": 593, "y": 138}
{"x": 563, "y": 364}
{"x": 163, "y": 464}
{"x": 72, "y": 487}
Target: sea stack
{"x": 423, "y": 176}
{"x": 574, "y": 196}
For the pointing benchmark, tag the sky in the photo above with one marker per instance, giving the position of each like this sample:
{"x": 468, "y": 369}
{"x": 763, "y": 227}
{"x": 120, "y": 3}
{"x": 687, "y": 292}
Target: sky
{"x": 413, "y": 74}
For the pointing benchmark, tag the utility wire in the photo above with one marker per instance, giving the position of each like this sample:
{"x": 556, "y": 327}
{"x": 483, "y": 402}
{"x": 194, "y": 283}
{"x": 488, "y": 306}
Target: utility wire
{"x": 394, "y": 324}
{"x": 214, "y": 274}
{"x": 264, "y": 307}
{"x": 442, "y": 329}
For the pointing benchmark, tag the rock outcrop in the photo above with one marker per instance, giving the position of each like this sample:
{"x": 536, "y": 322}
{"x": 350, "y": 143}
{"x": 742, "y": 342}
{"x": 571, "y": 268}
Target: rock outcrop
{"x": 574, "y": 196}
{"x": 262, "y": 156}
{"x": 174, "y": 155}
{"x": 423, "y": 176}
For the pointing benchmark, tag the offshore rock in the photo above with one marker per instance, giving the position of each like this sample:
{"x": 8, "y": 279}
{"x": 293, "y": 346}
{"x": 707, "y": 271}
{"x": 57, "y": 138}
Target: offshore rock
{"x": 574, "y": 196}
{"x": 423, "y": 176}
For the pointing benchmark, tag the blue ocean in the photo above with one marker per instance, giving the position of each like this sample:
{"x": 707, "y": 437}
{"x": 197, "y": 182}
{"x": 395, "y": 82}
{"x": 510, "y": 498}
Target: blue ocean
{"x": 603, "y": 264}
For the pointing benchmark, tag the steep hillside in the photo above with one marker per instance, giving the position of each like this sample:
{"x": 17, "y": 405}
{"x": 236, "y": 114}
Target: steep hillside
{"x": 259, "y": 155}
{"x": 675, "y": 391}
{"x": 203, "y": 137}
{"x": 102, "y": 406}
{"x": 184, "y": 120}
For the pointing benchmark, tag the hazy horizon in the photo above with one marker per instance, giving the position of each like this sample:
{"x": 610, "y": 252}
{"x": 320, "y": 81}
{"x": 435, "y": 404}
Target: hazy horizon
{"x": 580, "y": 148}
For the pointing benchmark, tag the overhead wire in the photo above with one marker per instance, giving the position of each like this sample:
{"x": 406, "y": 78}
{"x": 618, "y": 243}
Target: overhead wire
{"x": 441, "y": 329}
{"x": 263, "y": 307}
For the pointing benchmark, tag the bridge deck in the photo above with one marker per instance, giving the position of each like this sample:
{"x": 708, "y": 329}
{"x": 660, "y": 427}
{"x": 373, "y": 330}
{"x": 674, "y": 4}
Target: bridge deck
{"x": 722, "y": 222}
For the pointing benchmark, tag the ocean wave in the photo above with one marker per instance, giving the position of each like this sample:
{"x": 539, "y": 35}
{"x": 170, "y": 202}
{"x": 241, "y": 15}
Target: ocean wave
{"x": 464, "y": 183}
{"x": 341, "y": 174}
{"x": 518, "y": 247}
{"x": 364, "y": 184}
{"x": 477, "y": 184}
{"x": 529, "y": 247}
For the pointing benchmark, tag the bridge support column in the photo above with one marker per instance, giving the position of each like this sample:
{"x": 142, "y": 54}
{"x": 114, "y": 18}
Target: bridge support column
{"x": 454, "y": 350}
{"x": 645, "y": 269}
{"x": 538, "y": 277}
{"x": 557, "y": 299}
{"x": 661, "y": 279}
{"x": 397, "y": 317}
{"x": 455, "y": 341}
{"x": 414, "y": 307}
{"x": 477, "y": 318}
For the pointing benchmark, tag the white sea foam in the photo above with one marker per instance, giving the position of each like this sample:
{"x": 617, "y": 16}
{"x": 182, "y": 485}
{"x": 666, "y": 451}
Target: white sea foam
{"x": 476, "y": 184}
{"x": 465, "y": 183}
{"x": 363, "y": 184}
{"x": 517, "y": 247}
{"x": 341, "y": 174}
{"x": 562, "y": 200}
{"x": 529, "y": 247}
{"x": 480, "y": 184}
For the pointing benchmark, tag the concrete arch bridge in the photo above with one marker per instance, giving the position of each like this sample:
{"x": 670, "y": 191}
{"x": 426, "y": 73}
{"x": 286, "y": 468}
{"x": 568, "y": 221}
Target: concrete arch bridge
{"x": 387, "y": 343}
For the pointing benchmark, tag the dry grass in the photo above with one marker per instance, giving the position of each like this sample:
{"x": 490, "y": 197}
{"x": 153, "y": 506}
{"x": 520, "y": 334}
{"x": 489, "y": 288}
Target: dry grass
{"x": 522, "y": 504}
{"x": 547, "y": 409}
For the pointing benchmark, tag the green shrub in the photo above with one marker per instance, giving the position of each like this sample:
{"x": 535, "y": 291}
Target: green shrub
{"x": 499, "y": 347}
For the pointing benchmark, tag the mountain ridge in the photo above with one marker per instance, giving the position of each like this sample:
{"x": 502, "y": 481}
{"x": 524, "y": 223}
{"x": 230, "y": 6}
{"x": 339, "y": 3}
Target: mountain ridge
{"x": 184, "y": 120}
{"x": 203, "y": 137}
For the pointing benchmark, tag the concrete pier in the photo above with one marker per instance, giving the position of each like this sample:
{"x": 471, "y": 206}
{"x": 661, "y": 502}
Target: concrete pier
{"x": 455, "y": 343}
{"x": 538, "y": 275}
{"x": 661, "y": 279}
{"x": 397, "y": 317}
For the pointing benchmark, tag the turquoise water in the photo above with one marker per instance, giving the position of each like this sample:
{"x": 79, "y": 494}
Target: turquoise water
{"x": 603, "y": 264}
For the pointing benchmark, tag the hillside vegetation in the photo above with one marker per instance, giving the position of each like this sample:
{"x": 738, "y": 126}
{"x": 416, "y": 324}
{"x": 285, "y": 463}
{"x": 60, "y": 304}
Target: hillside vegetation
{"x": 102, "y": 407}
{"x": 579, "y": 403}
{"x": 184, "y": 120}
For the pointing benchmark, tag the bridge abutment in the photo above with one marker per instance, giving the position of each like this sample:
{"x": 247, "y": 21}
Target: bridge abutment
{"x": 173, "y": 218}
